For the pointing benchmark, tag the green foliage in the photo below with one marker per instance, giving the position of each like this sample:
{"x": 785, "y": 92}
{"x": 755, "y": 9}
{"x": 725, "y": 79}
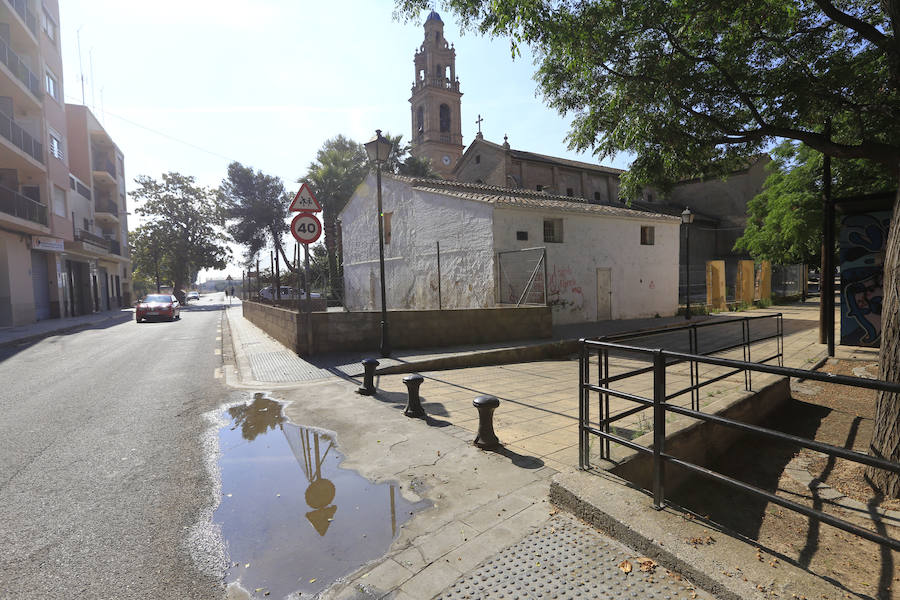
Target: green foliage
{"x": 784, "y": 222}
{"x": 184, "y": 224}
{"x": 256, "y": 207}
{"x": 686, "y": 85}
{"x": 150, "y": 257}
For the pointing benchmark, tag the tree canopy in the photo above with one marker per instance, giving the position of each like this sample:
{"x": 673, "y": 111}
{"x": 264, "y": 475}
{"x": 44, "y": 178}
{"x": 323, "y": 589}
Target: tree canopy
{"x": 256, "y": 209}
{"x": 686, "y": 85}
{"x": 187, "y": 221}
{"x": 784, "y": 222}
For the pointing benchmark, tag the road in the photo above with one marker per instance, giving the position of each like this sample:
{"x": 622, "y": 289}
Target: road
{"x": 102, "y": 474}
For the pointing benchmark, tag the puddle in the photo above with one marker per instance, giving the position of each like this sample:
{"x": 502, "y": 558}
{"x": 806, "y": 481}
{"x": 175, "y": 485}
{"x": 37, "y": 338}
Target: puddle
{"x": 291, "y": 518}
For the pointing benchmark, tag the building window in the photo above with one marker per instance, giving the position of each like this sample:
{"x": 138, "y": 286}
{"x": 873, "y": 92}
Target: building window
{"x": 553, "y": 231}
{"x": 570, "y": 192}
{"x": 420, "y": 122}
{"x": 597, "y": 198}
{"x": 444, "y": 114}
{"x": 49, "y": 26}
{"x": 59, "y": 201}
{"x": 387, "y": 227}
{"x": 56, "y": 145}
{"x": 52, "y": 86}
{"x": 522, "y": 236}
{"x": 539, "y": 187}
{"x": 477, "y": 159}
{"x": 647, "y": 235}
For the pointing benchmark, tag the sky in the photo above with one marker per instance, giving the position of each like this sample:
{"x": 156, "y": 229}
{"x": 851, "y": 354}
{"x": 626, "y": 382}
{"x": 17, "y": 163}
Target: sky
{"x": 192, "y": 85}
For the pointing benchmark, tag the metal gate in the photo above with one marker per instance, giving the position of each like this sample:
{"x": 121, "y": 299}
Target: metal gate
{"x": 522, "y": 276}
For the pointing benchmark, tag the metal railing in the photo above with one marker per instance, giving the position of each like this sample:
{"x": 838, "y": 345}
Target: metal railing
{"x": 717, "y": 337}
{"x": 21, "y": 7}
{"x": 104, "y": 164}
{"x": 21, "y": 138}
{"x": 86, "y": 236}
{"x": 14, "y": 203}
{"x": 20, "y": 69}
{"x": 115, "y": 248}
{"x": 660, "y": 406}
{"x": 107, "y": 206}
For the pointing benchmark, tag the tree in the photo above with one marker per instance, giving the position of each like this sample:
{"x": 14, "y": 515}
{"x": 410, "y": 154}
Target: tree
{"x": 784, "y": 222}
{"x": 685, "y": 85}
{"x": 149, "y": 245}
{"x": 187, "y": 218}
{"x": 340, "y": 166}
{"x": 256, "y": 205}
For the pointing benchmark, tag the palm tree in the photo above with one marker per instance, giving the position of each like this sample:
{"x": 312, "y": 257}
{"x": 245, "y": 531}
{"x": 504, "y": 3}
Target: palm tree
{"x": 340, "y": 166}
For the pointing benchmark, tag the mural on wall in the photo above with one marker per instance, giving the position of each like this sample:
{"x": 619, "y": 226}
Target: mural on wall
{"x": 862, "y": 245}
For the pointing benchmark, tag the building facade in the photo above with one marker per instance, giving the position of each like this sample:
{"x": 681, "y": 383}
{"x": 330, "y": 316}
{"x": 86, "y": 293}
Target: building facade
{"x": 455, "y": 245}
{"x": 436, "y": 101}
{"x": 46, "y": 212}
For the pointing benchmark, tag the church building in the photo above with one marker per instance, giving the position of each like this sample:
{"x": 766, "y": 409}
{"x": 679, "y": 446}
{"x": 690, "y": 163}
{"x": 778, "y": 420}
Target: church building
{"x": 435, "y": 100}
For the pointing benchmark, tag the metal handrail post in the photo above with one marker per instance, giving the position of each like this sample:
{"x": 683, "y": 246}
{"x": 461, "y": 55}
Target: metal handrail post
{"x": 606, "y": 445}
{"x": 583, "y": 399}
{"x": 659, "y": 428}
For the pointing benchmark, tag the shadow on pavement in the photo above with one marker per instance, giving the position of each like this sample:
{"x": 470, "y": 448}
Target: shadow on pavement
{"x": 11, "y": 348}
{"x": 520, "y": 460}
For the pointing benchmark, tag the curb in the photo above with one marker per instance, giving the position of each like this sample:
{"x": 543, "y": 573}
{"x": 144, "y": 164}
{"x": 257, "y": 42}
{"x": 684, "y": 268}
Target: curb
{"x": 716, "y": 560}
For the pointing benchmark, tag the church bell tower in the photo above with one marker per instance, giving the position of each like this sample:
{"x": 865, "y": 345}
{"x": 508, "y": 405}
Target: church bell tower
{"x": 436, "y": 127}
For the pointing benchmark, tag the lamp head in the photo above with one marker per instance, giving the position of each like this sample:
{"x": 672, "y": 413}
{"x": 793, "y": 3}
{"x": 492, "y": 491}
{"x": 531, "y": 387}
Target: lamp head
{"x": 378, "y": 148}
{"x": 687, "y": 217}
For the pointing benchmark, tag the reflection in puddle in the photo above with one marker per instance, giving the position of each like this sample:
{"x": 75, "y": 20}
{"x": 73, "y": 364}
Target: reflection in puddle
{"x": 292, "y": 520}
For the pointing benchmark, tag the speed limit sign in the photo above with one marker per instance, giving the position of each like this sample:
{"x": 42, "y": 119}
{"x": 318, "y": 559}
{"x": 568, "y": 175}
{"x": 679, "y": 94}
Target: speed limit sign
{"x": 306, "y": 228}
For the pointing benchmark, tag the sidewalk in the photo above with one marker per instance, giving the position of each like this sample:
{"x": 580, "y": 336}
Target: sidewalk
{"x": 25, "y": 334}
{"x": 491, "y": 532}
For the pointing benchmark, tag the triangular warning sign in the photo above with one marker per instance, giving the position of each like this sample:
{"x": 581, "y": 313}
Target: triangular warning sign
{"x": 305, "y": 201}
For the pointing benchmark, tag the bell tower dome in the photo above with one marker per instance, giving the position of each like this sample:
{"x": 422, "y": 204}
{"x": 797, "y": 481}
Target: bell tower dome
{"x": 436, "y": 124}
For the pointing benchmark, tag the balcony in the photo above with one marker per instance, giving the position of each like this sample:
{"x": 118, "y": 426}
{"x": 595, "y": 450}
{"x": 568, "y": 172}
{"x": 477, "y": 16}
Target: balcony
{"x": 15, "y": 204}
{"x": 115, "y": 248}
{"x": 106, "y": 211}
{"x": 18, "y": 68}
{"x": 104, "y": 170}
{"x": 20, "y": 138}
{"x": 437, "y": 82}
{"x": 21, "y": 7}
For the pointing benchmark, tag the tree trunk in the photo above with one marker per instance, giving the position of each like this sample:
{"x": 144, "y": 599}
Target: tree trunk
{"x": 886, "y": 436}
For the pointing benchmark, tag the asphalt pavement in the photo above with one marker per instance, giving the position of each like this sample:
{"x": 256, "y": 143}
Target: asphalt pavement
{"x": 103, "y": 478}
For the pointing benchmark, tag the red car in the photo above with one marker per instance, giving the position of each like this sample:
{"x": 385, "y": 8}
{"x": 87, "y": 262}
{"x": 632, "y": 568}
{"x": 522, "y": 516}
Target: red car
{"x": 157, "y": 306}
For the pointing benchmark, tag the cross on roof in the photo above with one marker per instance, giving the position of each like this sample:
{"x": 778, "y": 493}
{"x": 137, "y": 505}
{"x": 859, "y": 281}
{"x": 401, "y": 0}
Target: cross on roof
{"x": 478, "y": 121}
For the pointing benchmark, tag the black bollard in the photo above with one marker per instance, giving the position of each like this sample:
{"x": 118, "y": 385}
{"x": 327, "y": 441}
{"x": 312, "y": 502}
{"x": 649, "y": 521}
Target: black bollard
{"x": 368, "y": 386}
{"x": 414, "y": 405}
{"x": 486, "y": 438}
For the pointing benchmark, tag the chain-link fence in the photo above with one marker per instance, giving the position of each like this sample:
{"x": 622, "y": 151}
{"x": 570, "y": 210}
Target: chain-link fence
{"x": 522, "y": 276}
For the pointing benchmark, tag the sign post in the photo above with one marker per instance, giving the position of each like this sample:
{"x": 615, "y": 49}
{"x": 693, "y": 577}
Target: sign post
{"x": 306, "y": 229}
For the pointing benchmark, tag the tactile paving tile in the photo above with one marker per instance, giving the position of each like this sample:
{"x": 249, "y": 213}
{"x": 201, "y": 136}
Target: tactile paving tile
{"x": 280, "y": 367}
{"x": 568, "y": 560}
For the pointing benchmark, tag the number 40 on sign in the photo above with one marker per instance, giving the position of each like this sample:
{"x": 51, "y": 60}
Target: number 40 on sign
{"x": 306, "y": 228}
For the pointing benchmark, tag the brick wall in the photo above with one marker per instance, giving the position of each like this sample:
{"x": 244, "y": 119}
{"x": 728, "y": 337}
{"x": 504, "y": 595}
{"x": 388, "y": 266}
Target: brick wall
{"x": 342, "y": 331}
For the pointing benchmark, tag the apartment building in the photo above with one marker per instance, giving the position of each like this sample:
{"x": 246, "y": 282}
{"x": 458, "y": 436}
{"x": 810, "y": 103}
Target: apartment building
{"x": 63, "y": 235}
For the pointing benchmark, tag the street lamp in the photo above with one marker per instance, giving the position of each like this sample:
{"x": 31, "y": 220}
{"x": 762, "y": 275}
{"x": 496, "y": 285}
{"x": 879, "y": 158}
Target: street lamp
{"x": 378, "y": 149}
{"x": 687, "y": 217}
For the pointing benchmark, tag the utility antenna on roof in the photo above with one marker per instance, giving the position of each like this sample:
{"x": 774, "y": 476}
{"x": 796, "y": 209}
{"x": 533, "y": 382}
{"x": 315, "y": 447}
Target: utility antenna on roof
{"x": 80, "y": 67}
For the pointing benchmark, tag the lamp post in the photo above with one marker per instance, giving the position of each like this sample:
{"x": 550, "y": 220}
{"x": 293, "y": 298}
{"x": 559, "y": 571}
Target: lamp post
{"x": 378, "y": 149}
{"x": 687, "y": 217}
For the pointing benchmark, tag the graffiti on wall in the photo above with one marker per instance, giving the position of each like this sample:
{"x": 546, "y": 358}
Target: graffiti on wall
{"x": 862, "y": 245}
{"x": 564, "y": 289}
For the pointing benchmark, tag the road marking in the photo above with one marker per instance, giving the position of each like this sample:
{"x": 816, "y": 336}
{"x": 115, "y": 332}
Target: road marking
{"x": 219, "y": 338}
{"x": 218, "y": 352}
{"x": 217, "y": 373}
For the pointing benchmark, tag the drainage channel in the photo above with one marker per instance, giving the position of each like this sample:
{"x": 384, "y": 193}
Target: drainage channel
{"x": 292, "y": 520}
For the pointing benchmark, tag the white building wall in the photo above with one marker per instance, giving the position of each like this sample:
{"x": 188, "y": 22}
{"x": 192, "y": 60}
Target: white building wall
{"x": 418, "y": 221}
{"x": 644, "y": 279}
